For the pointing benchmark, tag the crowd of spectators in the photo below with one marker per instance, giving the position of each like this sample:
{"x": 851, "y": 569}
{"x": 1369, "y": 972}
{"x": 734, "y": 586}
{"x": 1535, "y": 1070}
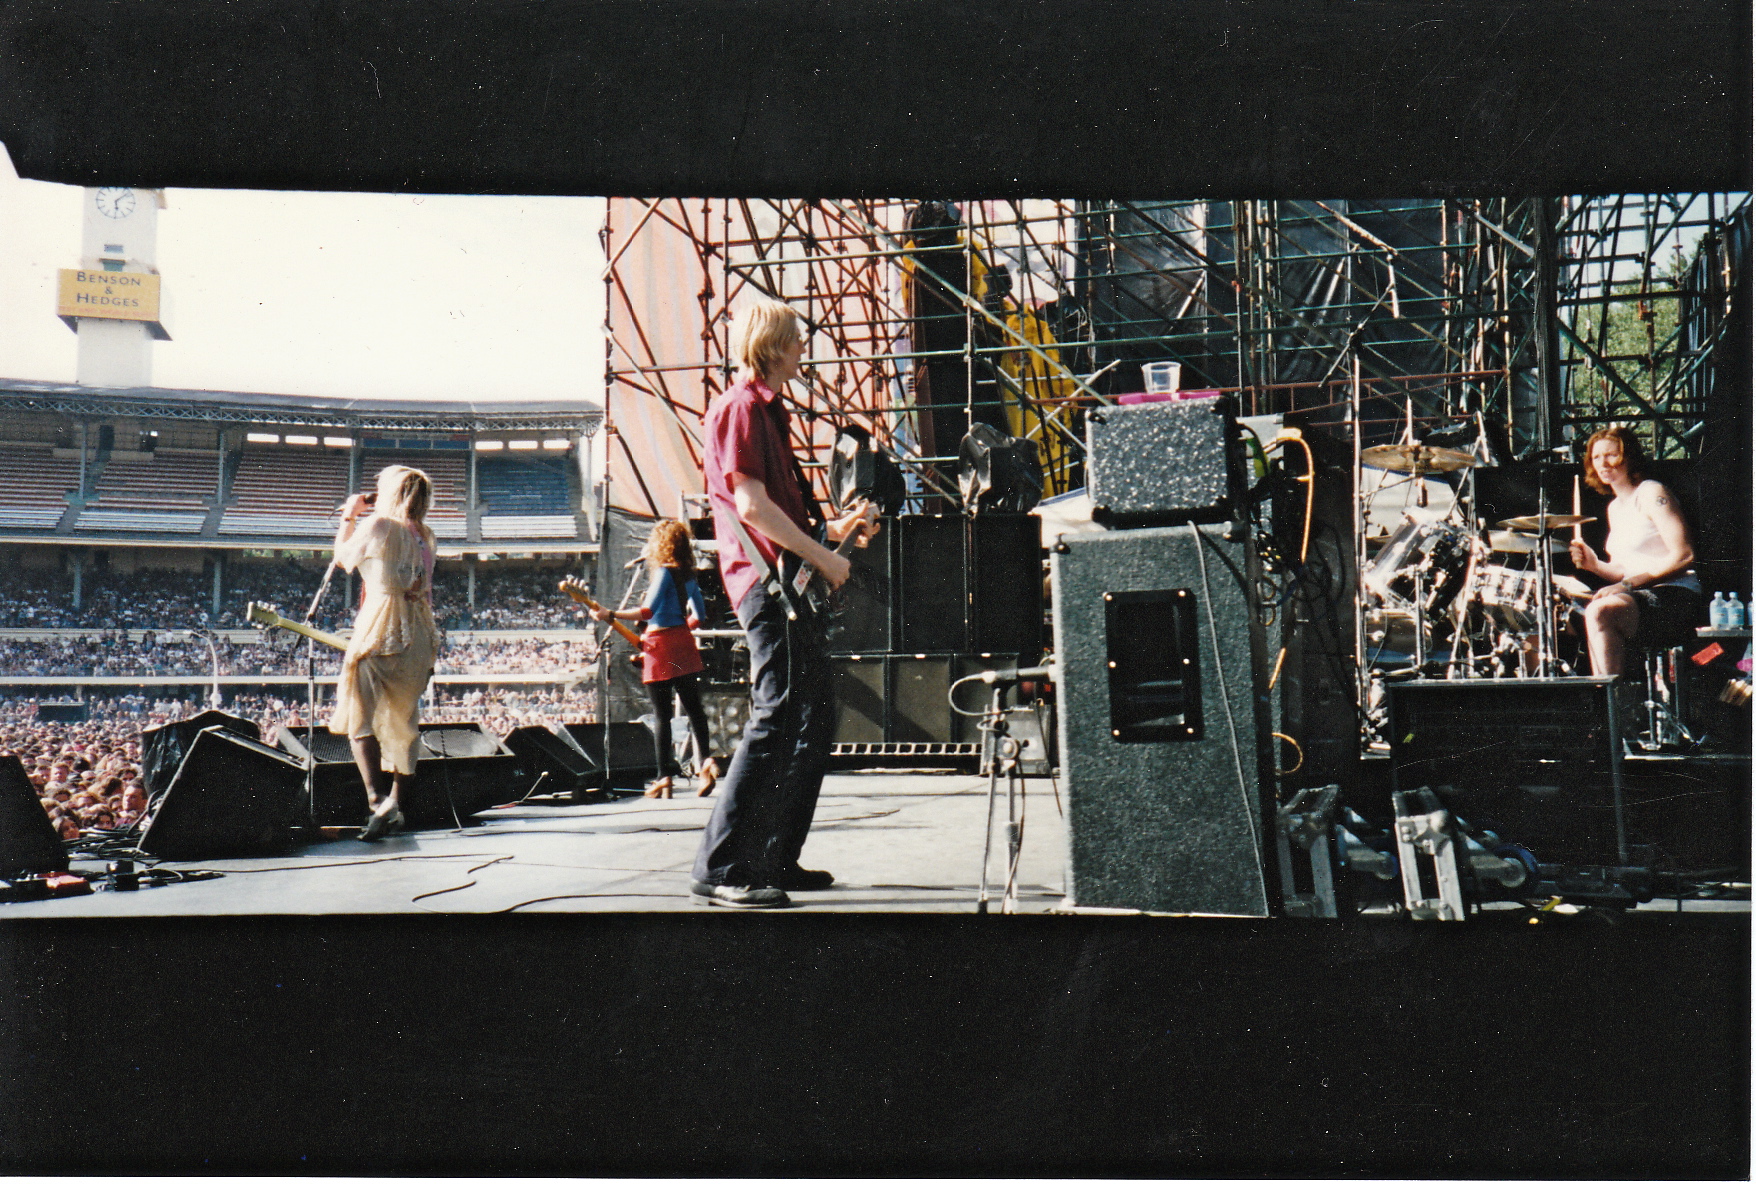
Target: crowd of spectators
{"x": 180, "y": 654}
{"x": 158, "y": 598}
{"x": 87, "y": 774}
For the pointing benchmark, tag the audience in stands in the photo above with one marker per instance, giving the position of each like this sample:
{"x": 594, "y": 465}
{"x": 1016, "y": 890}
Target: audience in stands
{"x": 506, "y": 598}
{"x": 87, "y": 775}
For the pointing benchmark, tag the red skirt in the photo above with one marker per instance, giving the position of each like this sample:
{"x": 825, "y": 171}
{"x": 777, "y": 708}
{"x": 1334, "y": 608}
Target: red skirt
{"x": 668, "y": 653}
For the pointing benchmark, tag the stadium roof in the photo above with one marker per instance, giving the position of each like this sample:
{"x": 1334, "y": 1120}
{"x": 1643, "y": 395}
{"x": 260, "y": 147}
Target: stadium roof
{"x": 249, "y": 407}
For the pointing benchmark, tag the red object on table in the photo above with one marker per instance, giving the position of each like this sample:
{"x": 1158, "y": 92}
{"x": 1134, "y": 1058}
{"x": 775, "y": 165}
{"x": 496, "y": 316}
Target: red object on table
{"x": 1707, "y": 655}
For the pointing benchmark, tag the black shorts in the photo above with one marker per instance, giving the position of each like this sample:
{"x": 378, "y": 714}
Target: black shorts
{"x": 1668, "y": 615}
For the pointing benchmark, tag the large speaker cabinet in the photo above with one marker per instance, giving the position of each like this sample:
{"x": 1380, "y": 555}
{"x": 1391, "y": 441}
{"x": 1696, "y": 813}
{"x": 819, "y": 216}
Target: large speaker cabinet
{"x": 1537, "y": 761}
{"x": 1161, "y": 741}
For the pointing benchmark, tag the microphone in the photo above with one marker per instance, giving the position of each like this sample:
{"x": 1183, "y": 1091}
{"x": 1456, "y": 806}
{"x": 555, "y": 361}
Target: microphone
{"x": 1018, "y": 674}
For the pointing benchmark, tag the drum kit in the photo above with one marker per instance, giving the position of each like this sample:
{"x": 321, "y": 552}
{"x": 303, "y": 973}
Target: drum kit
{"x": 1483, "y": 601}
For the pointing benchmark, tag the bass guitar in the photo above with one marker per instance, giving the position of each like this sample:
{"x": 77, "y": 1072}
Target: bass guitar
{"x": 264, "y": 615}
{"x": 804, "y": 596}
{"x": 577, "y": 592}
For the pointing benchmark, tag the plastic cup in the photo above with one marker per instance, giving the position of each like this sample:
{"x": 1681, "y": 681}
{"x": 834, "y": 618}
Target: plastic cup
{"x": 1162, "y": 378}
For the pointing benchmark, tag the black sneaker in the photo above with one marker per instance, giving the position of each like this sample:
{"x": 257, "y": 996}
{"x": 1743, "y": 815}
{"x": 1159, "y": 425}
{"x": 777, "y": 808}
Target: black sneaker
{"x": 738, "y": 897}
{"x": 798, "y": 879}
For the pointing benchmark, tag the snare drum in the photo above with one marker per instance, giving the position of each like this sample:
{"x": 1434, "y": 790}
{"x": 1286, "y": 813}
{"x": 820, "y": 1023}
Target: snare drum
{"x": 1510, "y": 596}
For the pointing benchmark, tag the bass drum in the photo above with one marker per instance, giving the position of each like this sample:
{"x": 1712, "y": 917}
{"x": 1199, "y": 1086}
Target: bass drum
{"x": 1430, "y": 559}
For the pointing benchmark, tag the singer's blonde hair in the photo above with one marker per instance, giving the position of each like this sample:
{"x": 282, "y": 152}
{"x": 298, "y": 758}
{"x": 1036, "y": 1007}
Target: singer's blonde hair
{"x": 405, "y": 494}
{"x": 760, "y": 331}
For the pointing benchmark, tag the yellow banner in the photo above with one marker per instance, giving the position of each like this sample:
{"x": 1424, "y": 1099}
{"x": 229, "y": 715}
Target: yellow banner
{"x": 110, "y": 295}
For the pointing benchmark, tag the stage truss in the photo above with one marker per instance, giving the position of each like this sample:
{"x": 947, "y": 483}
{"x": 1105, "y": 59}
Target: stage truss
{"x": 1534, "y": 319}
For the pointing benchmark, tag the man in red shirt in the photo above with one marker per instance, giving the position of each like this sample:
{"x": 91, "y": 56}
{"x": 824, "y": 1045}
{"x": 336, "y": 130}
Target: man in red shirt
{"x": 749, "y": 855}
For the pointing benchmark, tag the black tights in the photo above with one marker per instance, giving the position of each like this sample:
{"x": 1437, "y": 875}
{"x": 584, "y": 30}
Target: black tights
{"x": 663, "y": 705}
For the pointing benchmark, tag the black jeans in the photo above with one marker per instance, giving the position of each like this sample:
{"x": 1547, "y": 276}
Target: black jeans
{"x": 663, "y": 705}
{"x": 763, "y": 810}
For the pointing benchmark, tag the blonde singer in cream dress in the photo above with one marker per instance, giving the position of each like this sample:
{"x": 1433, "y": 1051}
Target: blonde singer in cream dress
{"x": 395, "y": 642}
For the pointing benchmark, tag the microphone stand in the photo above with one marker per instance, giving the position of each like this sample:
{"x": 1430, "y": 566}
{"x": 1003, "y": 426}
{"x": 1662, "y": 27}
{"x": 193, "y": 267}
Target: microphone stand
{"x": 310, "y": 618}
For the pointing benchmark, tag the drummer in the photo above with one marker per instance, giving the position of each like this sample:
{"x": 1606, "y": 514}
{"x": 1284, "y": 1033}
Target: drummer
{"x": 1654, "y": 593}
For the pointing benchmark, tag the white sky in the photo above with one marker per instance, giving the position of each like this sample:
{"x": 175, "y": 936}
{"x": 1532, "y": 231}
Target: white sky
{"x": 345, "y": 294}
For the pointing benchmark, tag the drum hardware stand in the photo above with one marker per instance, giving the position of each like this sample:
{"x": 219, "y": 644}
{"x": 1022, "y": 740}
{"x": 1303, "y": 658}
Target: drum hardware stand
{"x": 1664, "y": 703}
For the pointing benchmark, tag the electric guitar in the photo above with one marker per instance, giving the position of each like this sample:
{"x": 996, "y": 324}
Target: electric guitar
{"x": 808, "y": 590}
{"x": 576, "y": 590}
{"x": 265, "y": 615}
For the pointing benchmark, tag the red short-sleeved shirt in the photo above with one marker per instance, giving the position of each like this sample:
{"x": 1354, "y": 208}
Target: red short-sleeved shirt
{"x": 747, "y": 433}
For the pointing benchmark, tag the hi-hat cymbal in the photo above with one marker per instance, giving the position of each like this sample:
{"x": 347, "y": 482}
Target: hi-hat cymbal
{"x": 1416, "y": 458}
{"x": 1534, "y": 523}
{"x": 1512, "y": 542}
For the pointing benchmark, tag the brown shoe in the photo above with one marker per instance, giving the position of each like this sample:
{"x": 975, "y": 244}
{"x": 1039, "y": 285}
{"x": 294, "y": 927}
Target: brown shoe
{"x": 660, "y": 788}
{"x": 709, "y": 775}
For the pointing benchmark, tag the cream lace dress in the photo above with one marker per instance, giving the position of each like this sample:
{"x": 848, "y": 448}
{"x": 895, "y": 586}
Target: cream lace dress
{"x": 395, "y": 642}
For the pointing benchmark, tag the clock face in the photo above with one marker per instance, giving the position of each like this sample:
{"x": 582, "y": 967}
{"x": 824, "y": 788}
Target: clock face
{"x": 115, "y": 203}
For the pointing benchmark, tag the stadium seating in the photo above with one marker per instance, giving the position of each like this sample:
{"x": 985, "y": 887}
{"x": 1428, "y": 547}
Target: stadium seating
{"x": 164, "y": 492}
{"x": 524, "y": 498}
{"x": 294, "y": 491}
{"x": 37, "y": 483}
{"x": 446, "y": 517}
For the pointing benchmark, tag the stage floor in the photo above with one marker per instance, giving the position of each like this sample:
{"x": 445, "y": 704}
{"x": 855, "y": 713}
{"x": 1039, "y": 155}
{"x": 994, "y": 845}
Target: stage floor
{"x": 897, "y": 841}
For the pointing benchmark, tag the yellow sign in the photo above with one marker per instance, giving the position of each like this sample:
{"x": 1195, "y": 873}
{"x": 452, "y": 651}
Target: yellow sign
{"x": 109, "y": 295}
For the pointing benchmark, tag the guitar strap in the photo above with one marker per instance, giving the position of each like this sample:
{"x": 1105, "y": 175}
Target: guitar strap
{"x": 759, "y": 561}
{"x": 813, "y": 508}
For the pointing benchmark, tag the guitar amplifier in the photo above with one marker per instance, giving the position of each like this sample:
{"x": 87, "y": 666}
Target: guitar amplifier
{"x": 1157, "y": 464}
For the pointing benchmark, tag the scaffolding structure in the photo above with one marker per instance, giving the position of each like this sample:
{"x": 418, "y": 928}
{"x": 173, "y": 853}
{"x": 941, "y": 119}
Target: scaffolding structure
{"x": 1534, "y": 320}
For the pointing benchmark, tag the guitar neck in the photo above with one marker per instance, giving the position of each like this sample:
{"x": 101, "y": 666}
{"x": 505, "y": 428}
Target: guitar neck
{"x": 258, "y": 615}
{"x": 579, "y": 597}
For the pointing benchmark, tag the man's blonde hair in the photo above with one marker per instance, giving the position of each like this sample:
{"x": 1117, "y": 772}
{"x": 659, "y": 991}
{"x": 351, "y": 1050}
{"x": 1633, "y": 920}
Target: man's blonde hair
{"x": 761, "y": 330}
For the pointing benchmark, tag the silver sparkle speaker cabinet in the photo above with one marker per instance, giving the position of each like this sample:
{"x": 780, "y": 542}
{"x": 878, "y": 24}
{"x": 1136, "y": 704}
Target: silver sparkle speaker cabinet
{"x": 1160, "y": 738}
{"x": 1155, "y": 464}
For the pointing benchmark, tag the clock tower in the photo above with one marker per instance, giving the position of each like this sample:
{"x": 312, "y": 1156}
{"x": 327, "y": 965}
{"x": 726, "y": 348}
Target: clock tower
{"x": 112, "y": 299}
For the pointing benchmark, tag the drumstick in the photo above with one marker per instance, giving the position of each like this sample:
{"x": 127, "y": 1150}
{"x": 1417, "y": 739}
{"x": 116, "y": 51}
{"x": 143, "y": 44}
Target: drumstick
{"x": 1577, "y": 537}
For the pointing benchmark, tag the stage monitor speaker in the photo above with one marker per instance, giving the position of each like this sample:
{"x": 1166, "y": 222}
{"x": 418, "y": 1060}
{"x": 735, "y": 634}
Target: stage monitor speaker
{"x": 232, "y": 798}
{"x": 866, "y": 623}
{"x": 860, "y": 705}
{"x": 1536, "y": 761}
{"x": 1159, "y": 739}
{"x": 63, "y": 712}
{"x": 548, "y": 751}
{"x": 28, "y": 842}
{"x": 930, "y": 600}
{"x": 919, "y": 712}
{"x": 1155, "y": 463}
{"x": 633, "y": 757}
{"x": 460, "y": 769}
{"x": 162, "y": 748}
{"x": 1006, "y": 585}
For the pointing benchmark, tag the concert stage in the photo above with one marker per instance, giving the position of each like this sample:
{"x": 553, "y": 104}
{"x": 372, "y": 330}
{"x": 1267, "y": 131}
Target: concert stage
{"x": 897, "y": 842}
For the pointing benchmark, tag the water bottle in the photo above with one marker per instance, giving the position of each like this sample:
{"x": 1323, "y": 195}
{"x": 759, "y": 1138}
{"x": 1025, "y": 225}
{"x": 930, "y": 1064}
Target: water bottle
{"x": 1716, "y": 612}
{"x": 1737, "y": 615}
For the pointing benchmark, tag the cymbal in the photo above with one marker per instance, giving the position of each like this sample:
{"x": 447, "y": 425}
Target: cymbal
{"x": 1416, "y": 458}
{"x": 1533, "y": 523}
{"x": 1512, "y": 542}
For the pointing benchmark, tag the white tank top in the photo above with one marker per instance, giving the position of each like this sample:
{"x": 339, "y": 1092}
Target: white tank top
{"x": 1634, "y": 542}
